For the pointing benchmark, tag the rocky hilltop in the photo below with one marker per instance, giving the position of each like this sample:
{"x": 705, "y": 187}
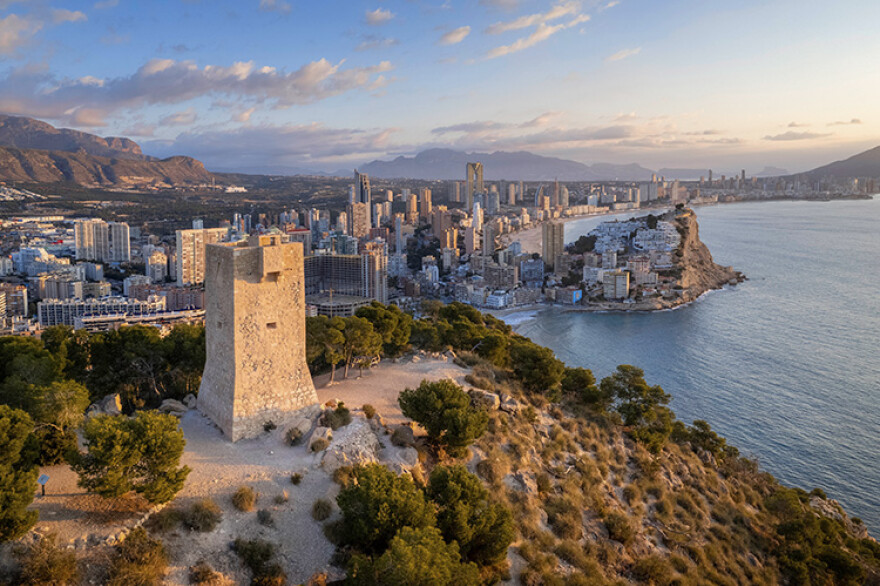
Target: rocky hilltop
{"x": 37, "y": 152}
{"x": 40, "y": 166}
{"x": 28, "y": 133}
{"x": 699, "y": 273}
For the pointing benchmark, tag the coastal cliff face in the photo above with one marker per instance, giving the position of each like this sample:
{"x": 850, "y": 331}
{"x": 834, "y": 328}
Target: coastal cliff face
{"x": 699, "y": 273}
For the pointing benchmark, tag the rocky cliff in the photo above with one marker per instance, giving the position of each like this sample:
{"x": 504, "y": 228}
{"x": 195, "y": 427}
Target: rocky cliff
{"x": 699, "y": 273}
{"x": 26, "y": 133}
{"x": 43, "y": 166}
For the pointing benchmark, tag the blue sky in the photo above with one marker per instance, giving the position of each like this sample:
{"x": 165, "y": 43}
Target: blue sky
{"x": 274, "y": 85}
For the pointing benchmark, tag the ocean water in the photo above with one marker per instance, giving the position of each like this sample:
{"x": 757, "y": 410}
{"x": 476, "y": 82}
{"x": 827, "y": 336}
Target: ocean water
{"x": 785, "y": 365}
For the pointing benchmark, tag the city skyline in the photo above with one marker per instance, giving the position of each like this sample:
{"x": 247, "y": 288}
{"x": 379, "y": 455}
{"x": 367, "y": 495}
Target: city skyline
{"x": 274, "y": 85}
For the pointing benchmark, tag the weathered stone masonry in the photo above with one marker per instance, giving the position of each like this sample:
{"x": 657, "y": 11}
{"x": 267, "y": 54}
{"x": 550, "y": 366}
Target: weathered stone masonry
{"x": 256, "y": 369}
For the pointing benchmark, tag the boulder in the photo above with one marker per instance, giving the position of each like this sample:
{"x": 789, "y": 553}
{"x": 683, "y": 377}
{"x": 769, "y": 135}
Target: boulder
{"x": 416, "y": 359}
{"x": 523, "y": 482}
{"x": 173, "y": 407}
{"x": 357, "y": 446}
{"x": 190, "y": 401}
{"x": 320, "y": 433}
{"x": 488, "y": 400}
{"x": 509, "y": 404}
{"x": 403, "y": 437}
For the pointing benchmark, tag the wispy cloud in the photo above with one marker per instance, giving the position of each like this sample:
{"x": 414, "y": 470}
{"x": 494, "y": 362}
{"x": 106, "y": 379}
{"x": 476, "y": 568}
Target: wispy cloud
{"x": 541, "y": 33}
{"x": 370, "y": 42}
{"x": 17, "y": 31}
{"x": 61, "y": 16}
{"x": 455, "y": 36}
{"x": 182, "y": 118}
{"x": 620, "y": 55}
{"x": 797, "y": 124}
{"x": 555, "y": 13}
{"x": 275, "y": 6}
{"x": 379, "y": 16}
{"x": 854, "y": 121}
{"x": 788, "y": 136}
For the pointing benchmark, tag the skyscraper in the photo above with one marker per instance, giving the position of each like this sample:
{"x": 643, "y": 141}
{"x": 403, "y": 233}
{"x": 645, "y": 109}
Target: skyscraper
{"x": 474, "y": 175}
{"x": 358, "y": 215}
{"x": 120, "y": 242}
{"x": 98, "y": 240}
{"x": 362, "y": 193}
{"x": 425, "y": 205}
{"x": 191, "y": 253}
{"x": 553, "y": 242}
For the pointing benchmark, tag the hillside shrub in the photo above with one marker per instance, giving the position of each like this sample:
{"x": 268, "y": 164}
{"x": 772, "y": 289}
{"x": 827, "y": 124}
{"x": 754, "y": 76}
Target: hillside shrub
{"x": 321, "y": 510}
{"x": 43, "y": 562}
{"x": 446, "y": 413}
{"x": 139, "y": 559}
{"x": 18, "y": 472}
{"x": 244, "y": 499}
{"x": 203, "y": 516}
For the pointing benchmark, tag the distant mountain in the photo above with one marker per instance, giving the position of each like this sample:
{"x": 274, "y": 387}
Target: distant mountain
{"x": 772, "y": 172}
{"x": 450, "y": 164}
{"x": 43, "y": 166}
{"x": 684, "y": 174}
{"x": 27, "y": 133}
{"x": 866, "y": 164}
{"x": 34, "y": 151}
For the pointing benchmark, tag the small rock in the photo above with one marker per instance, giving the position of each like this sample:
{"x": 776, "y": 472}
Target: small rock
{"x": 416, "y": 359}
{"x": 509, "y": 404}
{"x": 173, "y": 407}
{"x": 410, "y": 456}
{"x": 489, "y": 400}
{"x": 358, "y": 446}
{"x": 190, "y": 401}
{"x": 112, "y": 404}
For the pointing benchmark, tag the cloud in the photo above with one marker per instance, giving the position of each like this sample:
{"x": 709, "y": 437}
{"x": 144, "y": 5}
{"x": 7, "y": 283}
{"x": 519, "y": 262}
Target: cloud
{"x": 378, "y": 17}
{"x": 611, "y": 4}
{"x": 61, "y": 16}
{"x": 797, "y": 125}
{"x": 541, "y": 33}
{"x": 140, "y": 130}
{"x": 370, "y": 42}
{"x": 843, "y": 123}
{"x": 15, "y": 32}
{"x": 500, "y": 4}
{"x": 182, "y": 118}
{"x": 275, "y": 6}
{"x": 166, "y": 81}
{"x": 623, "y": 54}
{"x": 787, "y": 136}
{"x": 625, "y": 117}
{"x": 455, "y": 36}
{"x": 244, "y": 116}
{"x": 556, "y": 12}
{"x": 276, "y": 147}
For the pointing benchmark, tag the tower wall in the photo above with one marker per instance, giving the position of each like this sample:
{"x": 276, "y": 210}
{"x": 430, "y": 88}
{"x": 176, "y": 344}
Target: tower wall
{"x": 256, "y": 370}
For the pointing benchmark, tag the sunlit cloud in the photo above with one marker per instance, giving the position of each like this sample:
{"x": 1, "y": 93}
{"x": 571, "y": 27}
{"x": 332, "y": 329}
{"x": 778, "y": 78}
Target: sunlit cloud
{"x": 541, "y": 33}
{"x": 555, "y": 13}
{"x": 379, "y": 16}
{"x": 854, "y": 121}
{"x": 455, "y": 36}
{"x": 789, "y": 136}
{"x": 620, "y": 55}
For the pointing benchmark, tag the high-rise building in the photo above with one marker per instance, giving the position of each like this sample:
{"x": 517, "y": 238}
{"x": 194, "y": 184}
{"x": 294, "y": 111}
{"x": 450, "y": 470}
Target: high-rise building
{"x": 493, "y": 203}
{"x": 98, "y": 240}
{"x": 563, "y": 197}
{"x": 157, "y": 266}
{"x": 471, "y": 240}
{"x": 511, "y": 194}
{"x": 615, "y": 284}
{"x": 412, "y": 209}
{"x": 358, "y": 220}
{"x": 553, "y": 242}
{"x": 474, "y": 176}
{"x": 478, "y": 216}
{"x": 454, "y": 191}
{"x": 362, "y": 193}
{"x": 489, "y": 240}
{"x": 191, "y": 253}
{"x": 425, "y": 205}
{"x": 399, "y": 240}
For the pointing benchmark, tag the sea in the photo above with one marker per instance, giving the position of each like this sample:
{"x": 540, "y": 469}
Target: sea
{"x": 785, "y": 365}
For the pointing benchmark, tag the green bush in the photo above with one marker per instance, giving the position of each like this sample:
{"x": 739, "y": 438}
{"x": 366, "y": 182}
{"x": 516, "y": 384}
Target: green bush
{"x": 18, "y": 473}
{"x": 259, "y": 557}
{"x": 417, "y": 557}
{"x": 244, "y": 499}
{"x": 140, "y": 560}
{"x": 294, "y": 436}
{"x": 619, "y": 527}
{"x": 319, "y": 445}
{"x": 165, "y": 520}
{"x": 339, "y": 417}
{"x": 45, "y": 563}
{"x": 446, "y": 413}
{"x": 565, "y": 517}
{"x": 139, "y": 454}
{"x": 203, "y": 516}
{"x": 378, "y": 505}
{"x": 264, "y": 517}
{"x": 653, "y": 569}
{"x": 369, "y": 411}
{"x": 322, "y": 509}
{"x": 466, "y": 515}
{"x": 536, "y": 367}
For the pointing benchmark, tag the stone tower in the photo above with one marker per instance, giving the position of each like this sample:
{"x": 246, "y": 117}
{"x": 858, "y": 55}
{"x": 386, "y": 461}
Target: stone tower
{"x": 255, "y": 329}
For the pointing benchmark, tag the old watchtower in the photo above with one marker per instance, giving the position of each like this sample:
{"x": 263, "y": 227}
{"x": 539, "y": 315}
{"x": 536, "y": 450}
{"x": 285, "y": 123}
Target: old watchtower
{"x": 256, "y": 370}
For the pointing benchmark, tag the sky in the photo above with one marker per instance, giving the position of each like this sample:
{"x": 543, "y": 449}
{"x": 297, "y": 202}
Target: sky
{"x": 285, "y": 85}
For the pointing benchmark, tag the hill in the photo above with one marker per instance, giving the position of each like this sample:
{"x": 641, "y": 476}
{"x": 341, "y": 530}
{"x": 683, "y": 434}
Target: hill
{"x": 45, "y": 166}
{"x": 26, "y": 133}
{"x": 866, "y": 164}
{"x": 450, "y": 164}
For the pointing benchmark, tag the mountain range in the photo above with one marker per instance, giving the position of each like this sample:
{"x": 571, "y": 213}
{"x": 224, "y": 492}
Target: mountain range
{"x": 34, "y": 151}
